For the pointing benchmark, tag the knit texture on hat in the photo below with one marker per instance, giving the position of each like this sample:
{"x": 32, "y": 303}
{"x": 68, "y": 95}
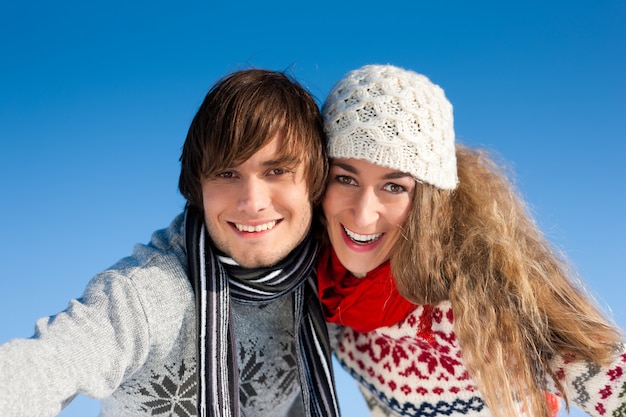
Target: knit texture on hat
{"x": 393, "y": 118}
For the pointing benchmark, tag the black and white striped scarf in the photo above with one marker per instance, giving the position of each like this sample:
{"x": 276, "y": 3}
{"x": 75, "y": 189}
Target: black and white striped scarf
{"x": 218, "y": 392}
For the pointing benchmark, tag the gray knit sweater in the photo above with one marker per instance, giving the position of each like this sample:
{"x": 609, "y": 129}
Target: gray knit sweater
{"x": 130, "y": 340}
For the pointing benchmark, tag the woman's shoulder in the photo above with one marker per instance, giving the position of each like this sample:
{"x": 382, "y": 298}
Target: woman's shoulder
{"x": 422, "y": 322}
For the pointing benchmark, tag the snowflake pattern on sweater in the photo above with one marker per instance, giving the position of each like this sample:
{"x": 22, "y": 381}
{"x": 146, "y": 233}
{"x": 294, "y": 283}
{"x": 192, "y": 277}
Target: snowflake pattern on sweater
{"x": 415, "y": 368}
{"x": 172, "y": 393}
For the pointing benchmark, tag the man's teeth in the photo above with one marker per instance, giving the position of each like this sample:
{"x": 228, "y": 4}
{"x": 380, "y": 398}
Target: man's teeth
{"x": 258, "y": 228}
{"x": 362, "y": 238}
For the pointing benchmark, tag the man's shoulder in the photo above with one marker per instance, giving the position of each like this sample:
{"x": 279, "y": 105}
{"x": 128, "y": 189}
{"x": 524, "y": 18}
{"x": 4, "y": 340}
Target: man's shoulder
{"x": 155, "y": 276}
{"x": 163, "y": 257}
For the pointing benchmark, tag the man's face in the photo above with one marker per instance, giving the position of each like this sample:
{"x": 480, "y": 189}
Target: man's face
{"x": 258, "y": 211}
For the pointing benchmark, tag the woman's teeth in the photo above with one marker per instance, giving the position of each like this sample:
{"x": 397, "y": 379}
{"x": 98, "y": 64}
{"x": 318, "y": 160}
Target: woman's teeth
{"x": 362, "y": 239}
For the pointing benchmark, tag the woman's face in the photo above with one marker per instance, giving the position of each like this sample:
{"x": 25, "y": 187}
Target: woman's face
{"x": 365, "y": 205}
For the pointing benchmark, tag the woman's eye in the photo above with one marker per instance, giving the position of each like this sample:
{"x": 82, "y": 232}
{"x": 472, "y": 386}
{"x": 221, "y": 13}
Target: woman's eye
{"x": 344, "y": 179}
{"x": 394, "y": 188}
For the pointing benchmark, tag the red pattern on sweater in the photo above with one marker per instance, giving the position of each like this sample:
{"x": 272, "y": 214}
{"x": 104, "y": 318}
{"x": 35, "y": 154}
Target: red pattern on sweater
{"x": 416, "y": 365}
{"x": 420, "y": 348}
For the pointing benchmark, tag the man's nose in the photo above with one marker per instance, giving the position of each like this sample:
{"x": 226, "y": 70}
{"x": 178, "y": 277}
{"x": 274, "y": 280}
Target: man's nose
{"x": 254, "y": 195}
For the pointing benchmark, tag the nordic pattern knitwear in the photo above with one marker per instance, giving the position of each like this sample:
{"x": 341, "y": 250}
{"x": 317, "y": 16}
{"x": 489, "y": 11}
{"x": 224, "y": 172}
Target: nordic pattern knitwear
{"x": 215, "y": 282}
{"x": 130, "y": 340}
{"x": 415, "y": 368}
{"x": 394, "y": 118}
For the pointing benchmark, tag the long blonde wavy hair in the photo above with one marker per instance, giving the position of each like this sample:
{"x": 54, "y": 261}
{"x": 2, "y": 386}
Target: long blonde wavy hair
{"x": 515, "y": 302}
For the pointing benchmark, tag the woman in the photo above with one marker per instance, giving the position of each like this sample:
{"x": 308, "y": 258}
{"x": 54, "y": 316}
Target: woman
{"x": 449, "y": 299}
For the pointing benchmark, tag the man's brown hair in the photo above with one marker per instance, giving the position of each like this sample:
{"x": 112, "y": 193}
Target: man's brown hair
{"x": 241, "y": 114}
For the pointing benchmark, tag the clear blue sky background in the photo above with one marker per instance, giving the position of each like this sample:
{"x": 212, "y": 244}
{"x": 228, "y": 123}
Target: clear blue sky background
{"x": 96, "y": 98}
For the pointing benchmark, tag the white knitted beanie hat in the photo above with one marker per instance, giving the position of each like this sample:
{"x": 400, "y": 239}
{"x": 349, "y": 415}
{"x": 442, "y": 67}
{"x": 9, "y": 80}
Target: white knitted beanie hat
{"x": 393, "y": 118}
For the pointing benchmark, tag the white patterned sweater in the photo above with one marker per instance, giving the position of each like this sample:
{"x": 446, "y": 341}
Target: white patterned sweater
{"x": 415, "y": 368}
{"x": 130, "y": 341}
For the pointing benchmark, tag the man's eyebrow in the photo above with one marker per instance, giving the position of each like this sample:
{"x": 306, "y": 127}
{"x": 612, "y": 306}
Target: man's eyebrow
{"x": 286, "y": 160}
{"x": 389, "y": 176}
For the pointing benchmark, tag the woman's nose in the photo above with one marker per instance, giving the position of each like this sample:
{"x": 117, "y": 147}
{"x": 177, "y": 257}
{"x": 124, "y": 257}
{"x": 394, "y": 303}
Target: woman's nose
{"x": 366, "y": 208}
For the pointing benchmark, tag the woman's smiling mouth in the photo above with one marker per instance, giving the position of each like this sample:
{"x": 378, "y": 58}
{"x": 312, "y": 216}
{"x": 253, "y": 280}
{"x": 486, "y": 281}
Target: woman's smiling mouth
{"x": 361, "y": 239}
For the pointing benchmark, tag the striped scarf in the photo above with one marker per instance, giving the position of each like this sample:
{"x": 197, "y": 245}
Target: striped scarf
{"x": 215, "y": 282}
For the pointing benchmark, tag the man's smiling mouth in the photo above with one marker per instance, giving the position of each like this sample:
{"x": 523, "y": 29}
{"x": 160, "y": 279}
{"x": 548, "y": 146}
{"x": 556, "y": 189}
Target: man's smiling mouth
{"x": 255, "y": 229}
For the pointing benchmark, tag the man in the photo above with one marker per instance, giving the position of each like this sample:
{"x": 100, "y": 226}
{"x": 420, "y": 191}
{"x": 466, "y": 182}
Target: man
{"x": 217, "y": 315}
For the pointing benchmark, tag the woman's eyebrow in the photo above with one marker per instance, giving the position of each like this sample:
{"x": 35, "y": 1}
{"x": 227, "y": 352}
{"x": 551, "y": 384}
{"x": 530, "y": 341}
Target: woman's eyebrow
{"x": 346, "y": 167}
{"x": 396, "y": 174}
{"x": 389, "y": 176}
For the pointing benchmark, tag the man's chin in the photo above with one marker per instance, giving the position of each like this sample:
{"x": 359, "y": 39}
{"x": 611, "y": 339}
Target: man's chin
{"x": 261, "y": 260}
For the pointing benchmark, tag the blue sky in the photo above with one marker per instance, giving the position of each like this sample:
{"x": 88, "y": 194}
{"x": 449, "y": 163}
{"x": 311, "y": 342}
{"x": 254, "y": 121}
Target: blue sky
{"x": 96, "y": 98}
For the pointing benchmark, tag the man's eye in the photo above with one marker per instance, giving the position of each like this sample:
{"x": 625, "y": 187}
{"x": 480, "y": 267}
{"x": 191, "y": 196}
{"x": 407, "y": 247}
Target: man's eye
{"x": 277, "y": 171}
{"x": 226, "y": 174}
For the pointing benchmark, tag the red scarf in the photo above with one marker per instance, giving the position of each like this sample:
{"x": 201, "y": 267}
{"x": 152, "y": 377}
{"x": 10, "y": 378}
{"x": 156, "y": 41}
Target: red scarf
{"x": 363, "y": 304}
